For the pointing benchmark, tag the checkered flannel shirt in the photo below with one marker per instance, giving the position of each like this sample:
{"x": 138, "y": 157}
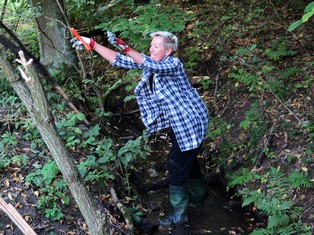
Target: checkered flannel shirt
{"x": 173, "y": 102}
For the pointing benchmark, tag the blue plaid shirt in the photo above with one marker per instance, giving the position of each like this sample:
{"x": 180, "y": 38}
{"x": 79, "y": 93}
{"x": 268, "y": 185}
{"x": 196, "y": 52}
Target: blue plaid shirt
{"x": 173, "y": 102}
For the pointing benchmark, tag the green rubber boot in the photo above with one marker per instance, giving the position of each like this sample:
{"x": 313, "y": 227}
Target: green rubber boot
{"x": 197, "y": 191}
{"x": 179, "y": 200}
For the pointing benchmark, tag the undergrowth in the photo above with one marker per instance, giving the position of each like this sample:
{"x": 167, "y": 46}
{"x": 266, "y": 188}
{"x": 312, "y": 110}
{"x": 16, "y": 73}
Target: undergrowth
{"x": 269, "y": 69}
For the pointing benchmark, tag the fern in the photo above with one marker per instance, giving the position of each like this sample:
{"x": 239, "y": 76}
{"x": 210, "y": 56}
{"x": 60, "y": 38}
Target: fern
{"x": 299, "y": 179}
{"x": 261, "y": 231}
{"x": 249, "y": 79}
{"x": 279, "y": 50}
{"x": 272, "y": 200}
{"x": 240, "y": 179}
{"x": 278, "y": 183}
{"x": 288, "y": 72}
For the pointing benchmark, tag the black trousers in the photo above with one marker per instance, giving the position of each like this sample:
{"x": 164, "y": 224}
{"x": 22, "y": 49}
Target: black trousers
{"x": 182, "y": 165}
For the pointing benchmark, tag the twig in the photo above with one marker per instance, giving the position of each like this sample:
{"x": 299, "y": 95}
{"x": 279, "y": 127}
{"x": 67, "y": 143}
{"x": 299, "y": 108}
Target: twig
{"x": 128, "y": 113}
{"x": 307, "y": 209}
{"x": 295, "y": 36}
{"x": 3, "y": 9}
{"x": 16, "y": 217}
{"x": 25, "y": 64}
{"x": 271, "y": 3}
{"x": 216, "y": 88}
{"x": 266, "y": 143}
{"x": 124, "y": 210}
{"x": 69, "y": 103}
{"x": 100, "y": 103}
{"x": 271, "y": 91}
{"x": 281, "y": 102}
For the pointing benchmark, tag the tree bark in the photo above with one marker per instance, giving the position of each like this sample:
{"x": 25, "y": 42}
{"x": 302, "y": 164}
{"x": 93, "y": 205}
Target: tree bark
{"x": 31, "y": 93}
{"x": 53, "y": 36}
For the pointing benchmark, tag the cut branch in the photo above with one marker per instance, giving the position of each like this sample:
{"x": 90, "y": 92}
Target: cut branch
{"x": 124, "y": 210}
{"x": 33, "y": 96}
{"x": 16, "y": 218}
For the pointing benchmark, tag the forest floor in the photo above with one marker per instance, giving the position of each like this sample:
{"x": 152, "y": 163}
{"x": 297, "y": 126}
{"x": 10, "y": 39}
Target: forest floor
{"x": 222, "y": 212}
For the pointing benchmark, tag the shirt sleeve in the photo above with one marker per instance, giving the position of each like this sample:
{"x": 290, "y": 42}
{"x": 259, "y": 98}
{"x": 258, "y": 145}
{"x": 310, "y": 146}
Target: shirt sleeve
{"x": 168, "y": 66}
{"x": 125, "y": 62}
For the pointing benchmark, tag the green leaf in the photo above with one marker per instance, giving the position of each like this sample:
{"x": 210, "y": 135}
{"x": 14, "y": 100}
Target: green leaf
{"x": 307, "y": 16}
{"x": 284, "y": 220}
{"x": 273, "y": 221}
{"x": 128, "y": 98}
{"x": 286, "y": 205}
{"x": 309, "y": 7}
{"x": 294, "y": 25}
{"x": 37, "y": 181}
{"x": 248, "y": 201}
{"x": 66, "y": 200}
{"x": 245, "y": 124}
{"x": 103, "y": 159}
{"x": 253, "y": 46}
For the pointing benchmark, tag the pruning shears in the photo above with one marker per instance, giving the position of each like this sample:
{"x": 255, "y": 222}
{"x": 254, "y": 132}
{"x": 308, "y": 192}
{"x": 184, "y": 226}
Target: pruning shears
{"x": 78, "y": 36}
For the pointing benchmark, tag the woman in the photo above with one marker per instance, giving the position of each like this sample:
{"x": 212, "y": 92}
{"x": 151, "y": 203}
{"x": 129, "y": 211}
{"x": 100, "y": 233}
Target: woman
{"x": 167, "y": 100}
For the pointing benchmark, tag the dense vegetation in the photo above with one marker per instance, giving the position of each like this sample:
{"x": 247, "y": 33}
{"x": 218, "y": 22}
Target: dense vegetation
{"x": 255, "y": 74}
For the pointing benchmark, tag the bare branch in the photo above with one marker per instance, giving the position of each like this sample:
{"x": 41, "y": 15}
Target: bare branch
{"x": 16, "y": 217}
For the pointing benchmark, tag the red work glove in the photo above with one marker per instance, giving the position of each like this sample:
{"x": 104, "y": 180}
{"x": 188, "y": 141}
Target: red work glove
{"x": 77, "y": 44}
{"x": 118, "y": 43}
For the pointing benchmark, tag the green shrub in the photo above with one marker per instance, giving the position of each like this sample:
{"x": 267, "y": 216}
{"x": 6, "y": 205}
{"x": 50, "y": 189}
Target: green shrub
{"x": 53, "y": 189}
{"x": 272, "y": 199}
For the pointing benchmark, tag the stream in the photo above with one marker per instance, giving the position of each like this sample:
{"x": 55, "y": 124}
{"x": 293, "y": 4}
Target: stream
{"x": 219, "y": 216}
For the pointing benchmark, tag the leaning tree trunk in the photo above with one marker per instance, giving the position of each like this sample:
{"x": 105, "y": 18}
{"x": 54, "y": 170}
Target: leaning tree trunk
{"x": 31, "y": 93}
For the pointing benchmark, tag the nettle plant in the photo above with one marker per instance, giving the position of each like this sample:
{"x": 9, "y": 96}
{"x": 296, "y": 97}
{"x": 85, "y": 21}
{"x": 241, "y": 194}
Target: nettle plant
{"x": 131, "y": 151}
{"x": 102, "y": 149}
{"x": 98, "y": 166}
{"x": 53, "y": 189}
{"x": 272, "y": 198}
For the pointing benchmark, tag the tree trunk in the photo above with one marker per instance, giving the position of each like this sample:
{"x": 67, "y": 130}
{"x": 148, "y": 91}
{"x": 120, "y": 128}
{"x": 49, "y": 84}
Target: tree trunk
{"x": 31, "y": 93}
{"x": 53, "y": 36}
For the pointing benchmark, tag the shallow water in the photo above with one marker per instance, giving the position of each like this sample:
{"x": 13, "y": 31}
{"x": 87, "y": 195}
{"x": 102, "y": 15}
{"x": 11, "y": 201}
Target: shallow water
{"x": 219, "y": 216}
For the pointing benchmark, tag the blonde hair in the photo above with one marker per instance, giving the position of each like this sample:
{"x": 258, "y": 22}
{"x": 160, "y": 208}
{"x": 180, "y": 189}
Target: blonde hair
{"x": 170, "y": 40}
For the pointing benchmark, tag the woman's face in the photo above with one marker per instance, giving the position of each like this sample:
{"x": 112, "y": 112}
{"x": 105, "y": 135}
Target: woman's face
{"x": 157, "y": 50}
